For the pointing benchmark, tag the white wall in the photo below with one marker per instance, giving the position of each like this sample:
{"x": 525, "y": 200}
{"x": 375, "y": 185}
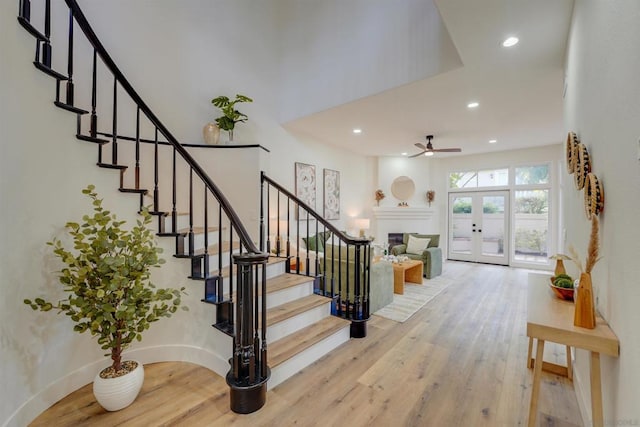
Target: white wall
{"x": 337, "y": 51}
{"x": 185, "y": 54}
{"x": 602, "y": 105}
{"x": 432, "y": 174}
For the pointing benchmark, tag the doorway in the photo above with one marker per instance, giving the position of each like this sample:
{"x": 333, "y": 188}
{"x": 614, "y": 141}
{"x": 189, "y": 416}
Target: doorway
{"x": 479, "y": 227}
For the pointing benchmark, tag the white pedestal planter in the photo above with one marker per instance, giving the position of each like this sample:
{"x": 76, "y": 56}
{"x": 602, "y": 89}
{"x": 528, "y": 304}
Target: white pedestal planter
{"x": 114, "y": 394}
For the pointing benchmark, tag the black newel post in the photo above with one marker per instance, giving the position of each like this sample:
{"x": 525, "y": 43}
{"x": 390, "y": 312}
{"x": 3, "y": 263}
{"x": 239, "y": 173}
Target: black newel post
{"x": 249, "y": 372}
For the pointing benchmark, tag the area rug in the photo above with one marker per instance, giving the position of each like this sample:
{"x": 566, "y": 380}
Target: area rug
{"x": 416, "y": 296}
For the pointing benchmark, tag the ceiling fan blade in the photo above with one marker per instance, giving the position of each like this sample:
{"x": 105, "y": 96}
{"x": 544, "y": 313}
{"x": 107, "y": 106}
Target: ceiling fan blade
{"x": 420, "y": 146}
{"x": 416, "y": 155}
{"x": 448, "y": 150}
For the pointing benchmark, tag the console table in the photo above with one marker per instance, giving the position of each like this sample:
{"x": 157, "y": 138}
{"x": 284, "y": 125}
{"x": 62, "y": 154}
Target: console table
{"x": 551, "y": 319}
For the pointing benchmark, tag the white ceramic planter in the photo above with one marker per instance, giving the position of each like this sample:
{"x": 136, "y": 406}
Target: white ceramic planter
{"x": 114, "y": 394}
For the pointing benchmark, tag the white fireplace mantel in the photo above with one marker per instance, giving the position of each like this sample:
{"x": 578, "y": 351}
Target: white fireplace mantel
{"x": 403, "y": 220}
{"x": 393, "y": 212}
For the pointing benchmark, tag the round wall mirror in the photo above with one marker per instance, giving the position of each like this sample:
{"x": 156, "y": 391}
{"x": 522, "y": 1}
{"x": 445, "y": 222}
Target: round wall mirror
{"x": 403, "y": 188}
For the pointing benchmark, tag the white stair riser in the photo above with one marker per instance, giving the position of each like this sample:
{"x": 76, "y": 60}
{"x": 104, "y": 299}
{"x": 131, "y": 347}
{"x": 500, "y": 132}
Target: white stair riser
{"x": 303, "y": 359}
{"x": 295, "y": 323}
{"x": 182, "y": 221}
{"x": 213, "y": 260}
{"x": 292, "y": 293}
{"x": 198, "y": 239}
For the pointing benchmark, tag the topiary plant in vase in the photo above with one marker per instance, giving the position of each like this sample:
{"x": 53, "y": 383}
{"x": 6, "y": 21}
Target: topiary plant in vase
{"x": 230, "y": 116}
{"x": 107, "y": 277}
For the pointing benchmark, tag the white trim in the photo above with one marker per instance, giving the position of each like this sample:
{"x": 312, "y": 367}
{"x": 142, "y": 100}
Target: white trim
{"x": 584, "y": 404}
{"x": 60, "y": 388}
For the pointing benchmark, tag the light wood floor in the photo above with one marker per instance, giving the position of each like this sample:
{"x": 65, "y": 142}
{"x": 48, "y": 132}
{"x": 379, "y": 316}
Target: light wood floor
{"x": 459, "y": 361}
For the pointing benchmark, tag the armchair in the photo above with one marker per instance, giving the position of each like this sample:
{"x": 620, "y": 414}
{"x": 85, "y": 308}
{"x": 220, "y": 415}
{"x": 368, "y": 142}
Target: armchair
{"x": 431, "y": 256}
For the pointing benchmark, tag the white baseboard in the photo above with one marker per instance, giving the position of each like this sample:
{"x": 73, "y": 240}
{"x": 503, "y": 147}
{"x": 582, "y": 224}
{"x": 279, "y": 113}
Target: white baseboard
{"x": 83, "y": 376}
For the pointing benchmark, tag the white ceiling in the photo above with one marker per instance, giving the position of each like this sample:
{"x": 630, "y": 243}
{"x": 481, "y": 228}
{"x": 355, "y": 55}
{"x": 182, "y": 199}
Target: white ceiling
{"x": 519, "y": 89}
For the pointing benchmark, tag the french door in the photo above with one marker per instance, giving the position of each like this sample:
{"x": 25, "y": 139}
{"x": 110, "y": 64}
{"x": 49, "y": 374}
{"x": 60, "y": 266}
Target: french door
{"x": 479, "y": 227}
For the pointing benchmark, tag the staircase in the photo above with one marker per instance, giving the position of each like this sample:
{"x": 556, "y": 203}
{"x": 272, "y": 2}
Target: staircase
{"x": 300, "y": 327}
{"x": 254, "y": 297}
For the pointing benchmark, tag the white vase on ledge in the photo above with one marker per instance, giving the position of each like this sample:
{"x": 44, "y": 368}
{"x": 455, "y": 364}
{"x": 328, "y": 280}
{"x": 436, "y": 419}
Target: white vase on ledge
{"x": 211, "y": 133}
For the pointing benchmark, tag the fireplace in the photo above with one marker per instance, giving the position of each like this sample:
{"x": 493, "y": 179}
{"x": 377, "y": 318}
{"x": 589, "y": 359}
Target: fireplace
{"x": 394, "y": 239}
{"x": 391, "y": 222}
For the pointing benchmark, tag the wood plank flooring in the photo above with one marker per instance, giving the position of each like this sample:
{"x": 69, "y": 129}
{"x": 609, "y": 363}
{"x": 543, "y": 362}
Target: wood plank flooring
{"x": 459, "y": 361}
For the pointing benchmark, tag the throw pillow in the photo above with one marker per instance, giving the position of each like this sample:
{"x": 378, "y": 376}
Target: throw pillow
{"x": 417, "y": 245}
{"x": 313, "y": 243}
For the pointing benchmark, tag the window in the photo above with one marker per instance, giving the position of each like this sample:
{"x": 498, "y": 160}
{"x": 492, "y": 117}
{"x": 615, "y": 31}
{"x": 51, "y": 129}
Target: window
{"x": 531, "y": 225}
{"x": 532, "y": 175}
{"x": 474, "y": 179}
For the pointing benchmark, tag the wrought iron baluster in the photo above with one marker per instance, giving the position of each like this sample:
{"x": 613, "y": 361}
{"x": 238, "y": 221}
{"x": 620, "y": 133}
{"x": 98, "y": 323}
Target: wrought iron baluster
{"x": 69, "y": 91}
{"x": 174, "y": 195}
{"x": 220, "y": 282}
{"x": 114, "y": 127}
{"x": 46, "y": 45}
{"x": 137, "y": 166}
{"x": 190, "y": 234}
{"x": 205, "y": 261}
{"x": 156, "y": 190}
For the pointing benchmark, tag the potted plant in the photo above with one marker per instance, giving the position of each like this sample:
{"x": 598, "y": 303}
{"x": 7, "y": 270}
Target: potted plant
{"x": 107, "y": 278}
{"x": 230, "y": 116}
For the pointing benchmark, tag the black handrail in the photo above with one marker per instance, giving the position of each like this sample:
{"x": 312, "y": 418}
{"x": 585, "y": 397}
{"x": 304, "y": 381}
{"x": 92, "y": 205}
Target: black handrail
{"x": 351, "y": 300}
{"x": 110, "y": 64}
{"x": 344, "y": 237}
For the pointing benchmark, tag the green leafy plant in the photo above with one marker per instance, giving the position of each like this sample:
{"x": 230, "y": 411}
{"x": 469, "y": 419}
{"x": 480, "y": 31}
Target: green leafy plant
{"x": 230, "y": 116}
{"x": 107, "y": 276}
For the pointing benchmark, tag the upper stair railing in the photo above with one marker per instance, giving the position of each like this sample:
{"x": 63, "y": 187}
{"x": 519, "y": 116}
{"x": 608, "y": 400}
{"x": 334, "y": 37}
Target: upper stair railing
{"x": 207, "y": 207}
{"x": 313, "y": 246}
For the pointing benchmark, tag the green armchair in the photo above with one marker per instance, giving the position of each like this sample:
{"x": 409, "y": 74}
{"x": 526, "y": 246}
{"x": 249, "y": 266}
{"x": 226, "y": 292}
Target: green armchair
{"x": 431, "y": 257}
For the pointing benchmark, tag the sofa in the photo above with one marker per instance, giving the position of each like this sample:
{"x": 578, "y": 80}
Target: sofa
{"x": 431, "y": 257}
{"x": 380, "y": 281}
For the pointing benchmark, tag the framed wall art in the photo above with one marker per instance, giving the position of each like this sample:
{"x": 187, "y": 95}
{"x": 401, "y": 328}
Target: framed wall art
{"x": 331, "y": 200}
{"x": 305, "y": 186}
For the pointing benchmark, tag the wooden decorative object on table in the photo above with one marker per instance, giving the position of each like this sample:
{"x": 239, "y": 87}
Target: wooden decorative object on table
{"x": 585, "y": 312}
{"x": 559, "y": 263}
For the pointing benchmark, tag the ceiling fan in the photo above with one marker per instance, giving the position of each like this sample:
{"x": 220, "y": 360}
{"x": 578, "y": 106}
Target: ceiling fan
{"x": 428, "y": 149}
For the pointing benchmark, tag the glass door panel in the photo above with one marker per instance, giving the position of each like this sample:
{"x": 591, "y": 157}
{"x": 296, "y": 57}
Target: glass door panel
{"x": 460, "y": 226}
{"x": 478, "y": 227}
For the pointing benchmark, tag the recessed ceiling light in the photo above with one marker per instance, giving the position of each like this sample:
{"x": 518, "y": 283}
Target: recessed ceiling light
{"x": 493, "y": 141}
{"x": 511, "y": 41}
{"x": 404, "y": 154}
{"x": 429, "y": 153}
{"x": 356, "y": 130}
{"x": 473, "y": 104}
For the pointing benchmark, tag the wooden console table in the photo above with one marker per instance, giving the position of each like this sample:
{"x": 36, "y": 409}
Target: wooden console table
{"x": 551, "y": 319}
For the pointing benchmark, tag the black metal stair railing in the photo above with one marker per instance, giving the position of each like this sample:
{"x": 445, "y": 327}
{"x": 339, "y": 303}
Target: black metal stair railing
{"x": 340, "y": 264}
{"x": 243, "y": 318}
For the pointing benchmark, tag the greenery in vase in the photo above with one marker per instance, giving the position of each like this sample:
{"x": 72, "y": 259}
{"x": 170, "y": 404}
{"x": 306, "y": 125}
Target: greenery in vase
{"x": 107, "y": 276}
{"x": 230, "y": 116}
